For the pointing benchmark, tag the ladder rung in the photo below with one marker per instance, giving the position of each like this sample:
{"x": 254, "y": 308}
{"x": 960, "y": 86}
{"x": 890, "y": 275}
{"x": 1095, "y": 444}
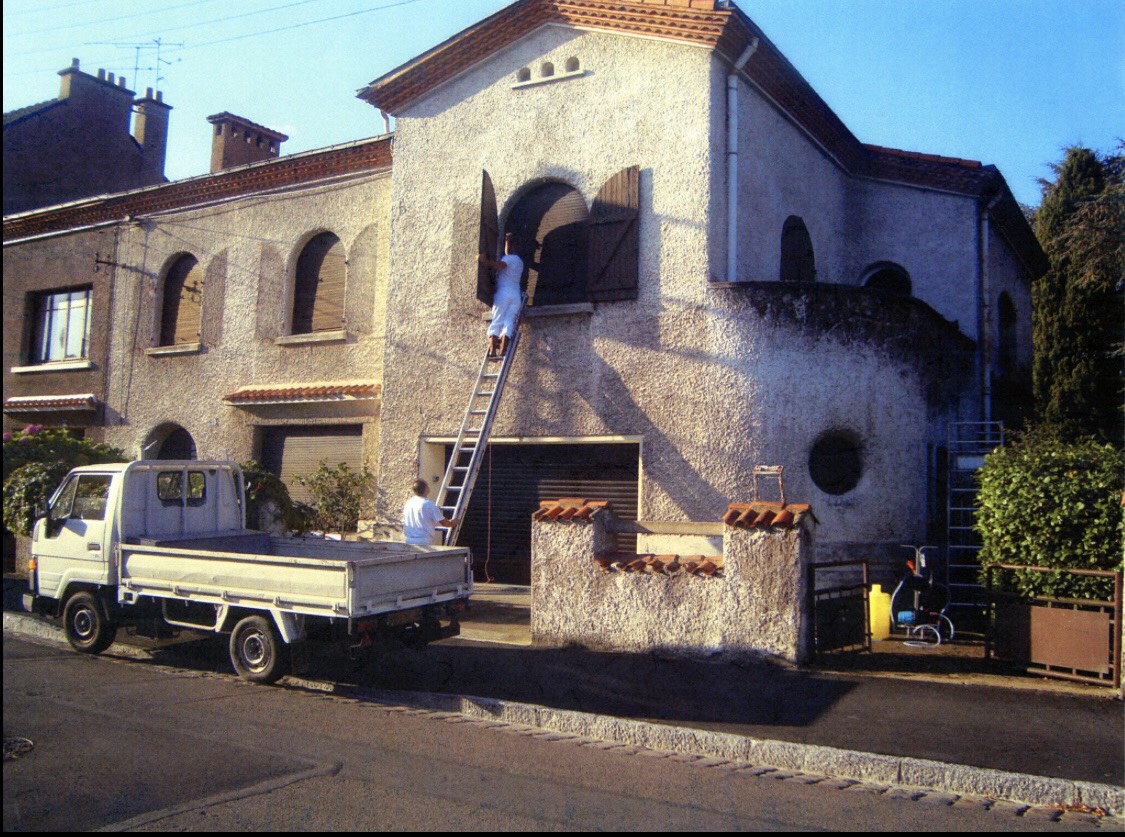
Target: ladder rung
{"x": 460, "y": 467}
{"x": 491, "y": 375}
{"x": 477, "y": 412}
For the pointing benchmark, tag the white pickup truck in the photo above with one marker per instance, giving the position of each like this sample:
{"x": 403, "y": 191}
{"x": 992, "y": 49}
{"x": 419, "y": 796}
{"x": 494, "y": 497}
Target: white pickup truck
{"x": 152, "y": 542}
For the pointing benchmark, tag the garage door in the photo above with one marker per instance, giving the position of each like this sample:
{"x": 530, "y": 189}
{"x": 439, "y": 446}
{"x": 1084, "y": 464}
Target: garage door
{"x": 514, "y": 478}
{"x": 290, "y": 452}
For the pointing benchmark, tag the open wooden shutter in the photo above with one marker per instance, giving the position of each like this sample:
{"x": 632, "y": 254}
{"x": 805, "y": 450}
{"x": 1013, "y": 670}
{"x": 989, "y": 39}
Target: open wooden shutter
{"x": 318, "y": 298}
{"x": 489, "y": 239}
{"x": 183, "y": 301}
{"x": 615, "y": 238}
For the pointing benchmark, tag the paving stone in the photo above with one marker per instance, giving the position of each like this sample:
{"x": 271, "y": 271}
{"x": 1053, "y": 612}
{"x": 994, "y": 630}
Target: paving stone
{"x": 1003, "y": 806}
{"x": 982, "y": 802}
{"x": 1070, "y": 817}
{"x": 1042, "y": 814}
{"x": 938, "y": 798}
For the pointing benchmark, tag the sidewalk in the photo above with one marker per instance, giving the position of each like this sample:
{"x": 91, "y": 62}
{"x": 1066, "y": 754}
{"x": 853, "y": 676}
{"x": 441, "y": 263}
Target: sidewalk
{"x": 982, "y": 734}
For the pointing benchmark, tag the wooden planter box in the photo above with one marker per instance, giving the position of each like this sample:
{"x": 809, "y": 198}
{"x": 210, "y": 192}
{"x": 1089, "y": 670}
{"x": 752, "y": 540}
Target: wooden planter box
{"x": 1073, "y": 639}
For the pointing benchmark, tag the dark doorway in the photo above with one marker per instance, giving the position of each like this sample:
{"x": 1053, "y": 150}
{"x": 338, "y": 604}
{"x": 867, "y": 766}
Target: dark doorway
{"x": 550, "y": 227}
{"x": 512, "y": 481}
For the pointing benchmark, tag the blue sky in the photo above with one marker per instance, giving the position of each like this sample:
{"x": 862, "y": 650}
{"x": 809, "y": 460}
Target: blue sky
{"x": 1009, "y": 82}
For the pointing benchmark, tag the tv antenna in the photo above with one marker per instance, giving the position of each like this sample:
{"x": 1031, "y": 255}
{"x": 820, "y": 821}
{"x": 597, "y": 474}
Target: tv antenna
{"x": 158, "y": 62}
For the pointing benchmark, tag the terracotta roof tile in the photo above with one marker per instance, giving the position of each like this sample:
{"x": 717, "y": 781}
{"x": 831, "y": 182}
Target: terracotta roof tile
{"x": 51, "y": 403}
{"x": 764, "y": 515}
{"x": 569, "y": 508}
{"x": 628, "y": 562}
{"x": 288, "y": 393}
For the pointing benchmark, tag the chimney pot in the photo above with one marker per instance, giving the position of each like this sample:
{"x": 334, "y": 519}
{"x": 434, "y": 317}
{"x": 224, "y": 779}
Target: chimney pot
{"x": 148, "y": 92}
{"x": 74, "y": 63}
{"x": 111, "y": 79}
{"x": 101, "y": 73}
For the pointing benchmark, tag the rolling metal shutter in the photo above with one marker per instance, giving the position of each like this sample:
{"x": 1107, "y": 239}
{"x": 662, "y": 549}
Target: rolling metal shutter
{"x": 290, "y": 452}
{"x": 512, "y": 481}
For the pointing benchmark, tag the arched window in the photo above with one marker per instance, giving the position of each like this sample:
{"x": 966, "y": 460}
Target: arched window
{"x": 797, "y": 262}
{"x": 549, "y": 223}
{"x": 182, "y": 302}
{"x": 547, "y": 69}
{"x": 169, "y": 441}
{"x": 318, "y": 294}
{"x": 889, "y": 278}
{"x": 1006, "y": 355}
{"x": 571, "y": 254}
{"x": 572, "y": 65}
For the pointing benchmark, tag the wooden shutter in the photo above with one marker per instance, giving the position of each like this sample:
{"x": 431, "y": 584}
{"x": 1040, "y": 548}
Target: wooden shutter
{"x": 318, "y": 297}
{"x": 489, "y": 239}
{"x": 291, "y": 452}
{"x": 183, "y": 302}
{"x": 615, "y": 238}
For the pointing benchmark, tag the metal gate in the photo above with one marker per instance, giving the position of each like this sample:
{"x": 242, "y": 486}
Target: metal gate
{"x": 840, "y": 609}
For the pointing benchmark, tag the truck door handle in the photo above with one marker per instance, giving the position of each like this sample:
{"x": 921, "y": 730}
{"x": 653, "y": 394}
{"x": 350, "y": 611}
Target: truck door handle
{"x": 93, "y": 547}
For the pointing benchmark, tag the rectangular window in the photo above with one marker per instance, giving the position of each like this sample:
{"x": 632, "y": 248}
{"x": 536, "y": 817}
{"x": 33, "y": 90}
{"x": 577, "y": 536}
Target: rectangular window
{"x": 61, "y": 326}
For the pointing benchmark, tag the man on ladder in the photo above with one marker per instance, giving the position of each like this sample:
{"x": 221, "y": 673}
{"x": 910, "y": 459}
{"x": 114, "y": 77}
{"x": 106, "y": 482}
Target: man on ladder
{"x": 508, "y": 298}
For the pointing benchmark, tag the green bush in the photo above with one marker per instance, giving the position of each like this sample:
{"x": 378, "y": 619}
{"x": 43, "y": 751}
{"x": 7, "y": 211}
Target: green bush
{"x": 35, "y": 462}
{"x": 266, "y": 492}
{"x": 338, "y": 494}
{"x": 1051, "y": 503}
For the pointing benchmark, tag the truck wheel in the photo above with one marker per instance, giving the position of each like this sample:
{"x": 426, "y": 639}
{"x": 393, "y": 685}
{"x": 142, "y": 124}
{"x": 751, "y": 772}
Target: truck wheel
{"x": 87, "y": 628}
{"x": 257, "y": 652}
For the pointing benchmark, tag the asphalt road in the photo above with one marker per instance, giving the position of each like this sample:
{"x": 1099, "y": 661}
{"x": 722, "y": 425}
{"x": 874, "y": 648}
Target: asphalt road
{"x": 136, "y": 745}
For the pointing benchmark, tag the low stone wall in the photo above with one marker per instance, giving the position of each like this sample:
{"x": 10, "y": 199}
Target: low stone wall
{"x": 754, "y": 604}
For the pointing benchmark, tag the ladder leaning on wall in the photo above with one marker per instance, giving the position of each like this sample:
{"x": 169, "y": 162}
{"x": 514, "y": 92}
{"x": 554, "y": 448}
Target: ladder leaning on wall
{"x": 472, "y": 439}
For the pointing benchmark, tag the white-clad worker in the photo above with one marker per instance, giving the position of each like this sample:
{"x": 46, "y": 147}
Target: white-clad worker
{"x": 507, "y": 299}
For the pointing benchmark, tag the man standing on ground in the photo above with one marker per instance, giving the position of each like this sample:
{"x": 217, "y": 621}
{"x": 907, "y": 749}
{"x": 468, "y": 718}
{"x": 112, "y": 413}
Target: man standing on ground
{"x": 421, "y": 517}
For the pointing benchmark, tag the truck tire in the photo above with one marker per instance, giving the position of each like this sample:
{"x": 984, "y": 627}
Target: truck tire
{"x": 88, "y": 629}
{"x": 257, "y": 651}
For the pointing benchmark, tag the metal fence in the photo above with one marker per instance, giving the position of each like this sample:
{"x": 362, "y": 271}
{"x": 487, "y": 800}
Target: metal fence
{"x": 1071, "y": 639}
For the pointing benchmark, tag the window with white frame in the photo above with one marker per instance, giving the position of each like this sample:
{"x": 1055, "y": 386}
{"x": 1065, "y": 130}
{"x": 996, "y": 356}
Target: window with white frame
{"x": 61, "y": 326}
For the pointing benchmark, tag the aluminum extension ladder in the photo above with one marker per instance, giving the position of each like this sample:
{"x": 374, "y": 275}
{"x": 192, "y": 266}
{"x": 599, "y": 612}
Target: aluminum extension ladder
{"x": 472, "y": 438}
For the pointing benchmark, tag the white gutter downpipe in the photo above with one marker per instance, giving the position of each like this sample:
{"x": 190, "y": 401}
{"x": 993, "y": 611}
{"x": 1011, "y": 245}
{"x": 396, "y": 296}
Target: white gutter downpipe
{"x": 985, "y": 342}
{"x": 732, "y": 159}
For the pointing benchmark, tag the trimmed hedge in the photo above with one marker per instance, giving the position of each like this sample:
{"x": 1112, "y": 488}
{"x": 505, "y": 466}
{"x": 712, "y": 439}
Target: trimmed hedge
{"x": 1051, "y": 503}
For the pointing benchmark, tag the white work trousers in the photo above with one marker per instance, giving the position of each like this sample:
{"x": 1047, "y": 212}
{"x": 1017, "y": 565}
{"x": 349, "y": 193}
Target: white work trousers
{"x": 505, "y": 309}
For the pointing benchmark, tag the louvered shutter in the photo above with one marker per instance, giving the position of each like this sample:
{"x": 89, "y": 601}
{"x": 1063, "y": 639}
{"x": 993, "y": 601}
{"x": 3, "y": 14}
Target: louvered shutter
{"x": 318, "y": 297}
{"x": 180, "y": 317}
{"x": 488, "y": 240}
{"x": 615, "y": 238}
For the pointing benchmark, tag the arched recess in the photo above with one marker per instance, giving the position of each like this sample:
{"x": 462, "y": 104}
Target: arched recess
{"x": 169, "y": 441}
{"x": 319, "y": 284}
{"x": 797, "y": 261}
{"x": 181, "y": 302}
{"x": 888, "y": 277}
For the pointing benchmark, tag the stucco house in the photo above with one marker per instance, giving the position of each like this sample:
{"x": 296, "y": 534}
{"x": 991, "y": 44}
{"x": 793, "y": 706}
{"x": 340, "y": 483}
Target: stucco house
{"x": 721, "y": 275}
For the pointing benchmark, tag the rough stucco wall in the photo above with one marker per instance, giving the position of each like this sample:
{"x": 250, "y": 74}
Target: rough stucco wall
{"x": 711, "y": 385}
{"x": 1007, "y": 275}
{"x": 756, "y": 608}
{"x": 248, "y": 250}
{"x": 853, "y": 223}
{"x": 576, "y": 375}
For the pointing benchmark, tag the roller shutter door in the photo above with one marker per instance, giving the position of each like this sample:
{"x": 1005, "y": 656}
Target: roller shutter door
{"x": 290, "y": 452}
{"x": 512, "y": 481}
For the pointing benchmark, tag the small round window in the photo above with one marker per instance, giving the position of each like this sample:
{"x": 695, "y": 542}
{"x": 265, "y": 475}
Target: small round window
{"x": 836, "y": 462}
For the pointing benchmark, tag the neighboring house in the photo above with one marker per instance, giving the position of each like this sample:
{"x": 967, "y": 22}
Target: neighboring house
{"x": 79, "y": 144}
{"x": 236, "y": 314}
{"x": 721, "y": 274}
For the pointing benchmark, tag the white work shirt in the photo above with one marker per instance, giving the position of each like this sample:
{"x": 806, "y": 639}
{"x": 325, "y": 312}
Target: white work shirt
{"x": 420, "y": 516}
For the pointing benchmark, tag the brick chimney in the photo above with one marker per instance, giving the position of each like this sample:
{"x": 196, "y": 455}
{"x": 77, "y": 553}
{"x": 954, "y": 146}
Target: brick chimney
{"x": 238, "y": 142}
{"x": 150, "y": 129}
{"x": 102, "y": 101}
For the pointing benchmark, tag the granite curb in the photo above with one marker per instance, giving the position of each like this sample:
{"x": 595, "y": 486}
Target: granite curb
{"x": 873, "y": 768}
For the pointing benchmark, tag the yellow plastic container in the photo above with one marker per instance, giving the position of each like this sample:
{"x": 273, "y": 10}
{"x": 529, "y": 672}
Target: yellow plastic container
{"x": 879, "y": 606}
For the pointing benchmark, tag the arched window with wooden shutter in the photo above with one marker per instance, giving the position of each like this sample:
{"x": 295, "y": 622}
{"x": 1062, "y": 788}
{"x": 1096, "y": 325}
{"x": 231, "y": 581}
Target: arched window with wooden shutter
{"x": 797, "y": 261}
{"x": 614, "y": 238}
{"x": 182, "y": 304}
{"x": 318, "y": 294}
